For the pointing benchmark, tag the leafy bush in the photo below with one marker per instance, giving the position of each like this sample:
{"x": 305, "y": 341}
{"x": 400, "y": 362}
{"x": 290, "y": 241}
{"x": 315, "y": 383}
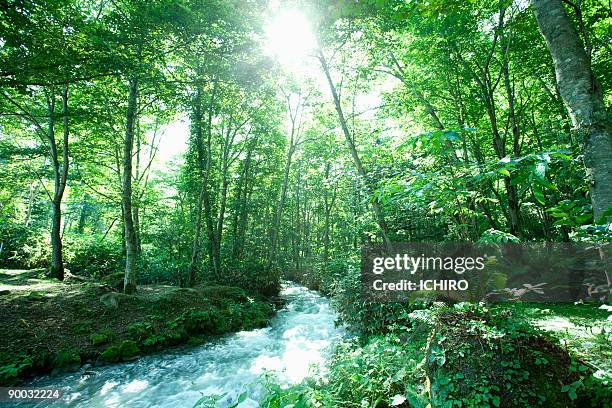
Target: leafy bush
{"x": 493, "y": 236}
{"x": 91, "y": 256}
{"x": 363, "y": 316}
{"x": 161, "y": 266}
{"x": 479, "y": 358}
{"x": 253, "y": 276}
{"x": 24, "y": 247}
{"x": 387, "y": 371}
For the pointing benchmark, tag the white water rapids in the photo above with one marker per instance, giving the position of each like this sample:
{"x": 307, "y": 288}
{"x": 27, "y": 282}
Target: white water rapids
{"x": 300, "y": 335}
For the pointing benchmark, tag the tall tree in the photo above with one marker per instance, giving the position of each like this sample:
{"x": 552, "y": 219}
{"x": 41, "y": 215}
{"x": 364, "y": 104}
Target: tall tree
{"x": 583, "y": 97}
{"x": 131, "y": 243}
{"x": 60, "y": 177}
{"x": 350, "y": 141}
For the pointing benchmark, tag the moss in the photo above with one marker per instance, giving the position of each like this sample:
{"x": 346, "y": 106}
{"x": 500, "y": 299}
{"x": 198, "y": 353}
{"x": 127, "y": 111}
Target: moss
{"x": 139, "y": 331}
{"x": 114, "y": 280}
{"x": 65, "y": 361}
{"x": 111, "y": 354}
{"x": 35, "y": 296}
{"x": 87, "y": 327}
{"x": 199, "y": 322}
{"x": 129, "y": 350}
{"x": 98, "y": 339}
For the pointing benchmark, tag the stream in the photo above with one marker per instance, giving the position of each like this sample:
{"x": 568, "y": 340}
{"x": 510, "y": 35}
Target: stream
{"x": 300, "y": 335}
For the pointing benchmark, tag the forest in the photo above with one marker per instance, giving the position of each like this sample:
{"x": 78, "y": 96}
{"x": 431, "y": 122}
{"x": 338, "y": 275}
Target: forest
{"x": 189, "y": 190}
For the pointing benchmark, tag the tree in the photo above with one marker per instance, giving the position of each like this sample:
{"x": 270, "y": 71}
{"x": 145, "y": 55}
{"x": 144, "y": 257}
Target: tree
{"x": 350, "y": 141}
{"x": 583, "y": 97}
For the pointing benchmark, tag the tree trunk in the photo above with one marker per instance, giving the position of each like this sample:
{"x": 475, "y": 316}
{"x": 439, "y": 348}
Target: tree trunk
{"x": 30, "y": 205}
{"x": 83, "y": 215}
{"x": 329, "y": 205}
{"x": 294, "y": 140}
{"x": 136, "y": 202}
{"x": 241, "y": 213}
{"x": 60, "y": 176}
{"x": 583, "y": 98}
{"x": 197, "y": 131}
{"x": 378, "y": 212}
{"x": 195, "y": 247}
{"x": 131, "y": 244}
{"x": 278, "y": 212}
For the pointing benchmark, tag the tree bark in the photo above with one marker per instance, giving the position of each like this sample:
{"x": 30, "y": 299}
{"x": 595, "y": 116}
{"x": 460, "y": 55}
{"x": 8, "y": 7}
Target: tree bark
{"x": 204, "y": 157}
{"x": 582, "y": 96}
{"x": 28, "y": 217}
{"x": 195, "y": 245}
{"x": 294, "y": 140}
{"x": 60, "y": 177}
{"x": 131, "y": 244}
{"x": 137, "y": 195}
{"x": 329, "y": 203}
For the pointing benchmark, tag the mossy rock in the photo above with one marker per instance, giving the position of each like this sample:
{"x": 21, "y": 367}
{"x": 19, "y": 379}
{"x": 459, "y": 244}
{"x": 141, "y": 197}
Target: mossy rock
{"x": 35, "y": 296}
{"x": 98, "y": 339}
{"x": 111, "y": 355}
{"x": 114, "y": 280}
{"x": 494, "y": 359}
{"x": 65, "y": 361}
{"x": 129, "y": 350}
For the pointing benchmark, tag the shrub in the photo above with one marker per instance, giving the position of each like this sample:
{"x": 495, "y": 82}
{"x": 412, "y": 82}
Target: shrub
{"x": 478, "y": 358}
{"x": 24, "y": 247}
{"x": 253, "y": 276}
{"x": 92, "y": 256}
{"x": 364, "y": 316}
{"x": 161, "y": 266}
{"x": 385, "y": 370}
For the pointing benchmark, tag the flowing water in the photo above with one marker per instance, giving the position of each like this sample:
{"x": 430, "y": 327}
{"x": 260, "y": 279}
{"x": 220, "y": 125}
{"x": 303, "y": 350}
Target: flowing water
{"x": 300, "y": 335}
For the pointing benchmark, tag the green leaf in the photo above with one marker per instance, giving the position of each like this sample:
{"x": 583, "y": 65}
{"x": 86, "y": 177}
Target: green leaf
{"x": 519, "y": 179}
{"x": 452, "y": 135}
{"x": 538, "y": 194}
{"x": 583, "y": 218}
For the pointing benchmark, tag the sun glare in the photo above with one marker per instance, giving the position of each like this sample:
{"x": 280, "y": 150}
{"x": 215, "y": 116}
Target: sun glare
{"x": 289, "y": 37}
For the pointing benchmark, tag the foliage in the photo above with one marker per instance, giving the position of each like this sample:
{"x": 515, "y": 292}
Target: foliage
{"x": 253, "y": 276}
{"x": 23, "y": 247}
{"x": 93, "y": 257}
{"x": 446, "y": 123}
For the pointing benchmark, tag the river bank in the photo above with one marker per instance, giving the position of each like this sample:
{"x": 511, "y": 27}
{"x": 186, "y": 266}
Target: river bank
{"x": 52, "y": 327}
{"x": 243, "y": 365}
